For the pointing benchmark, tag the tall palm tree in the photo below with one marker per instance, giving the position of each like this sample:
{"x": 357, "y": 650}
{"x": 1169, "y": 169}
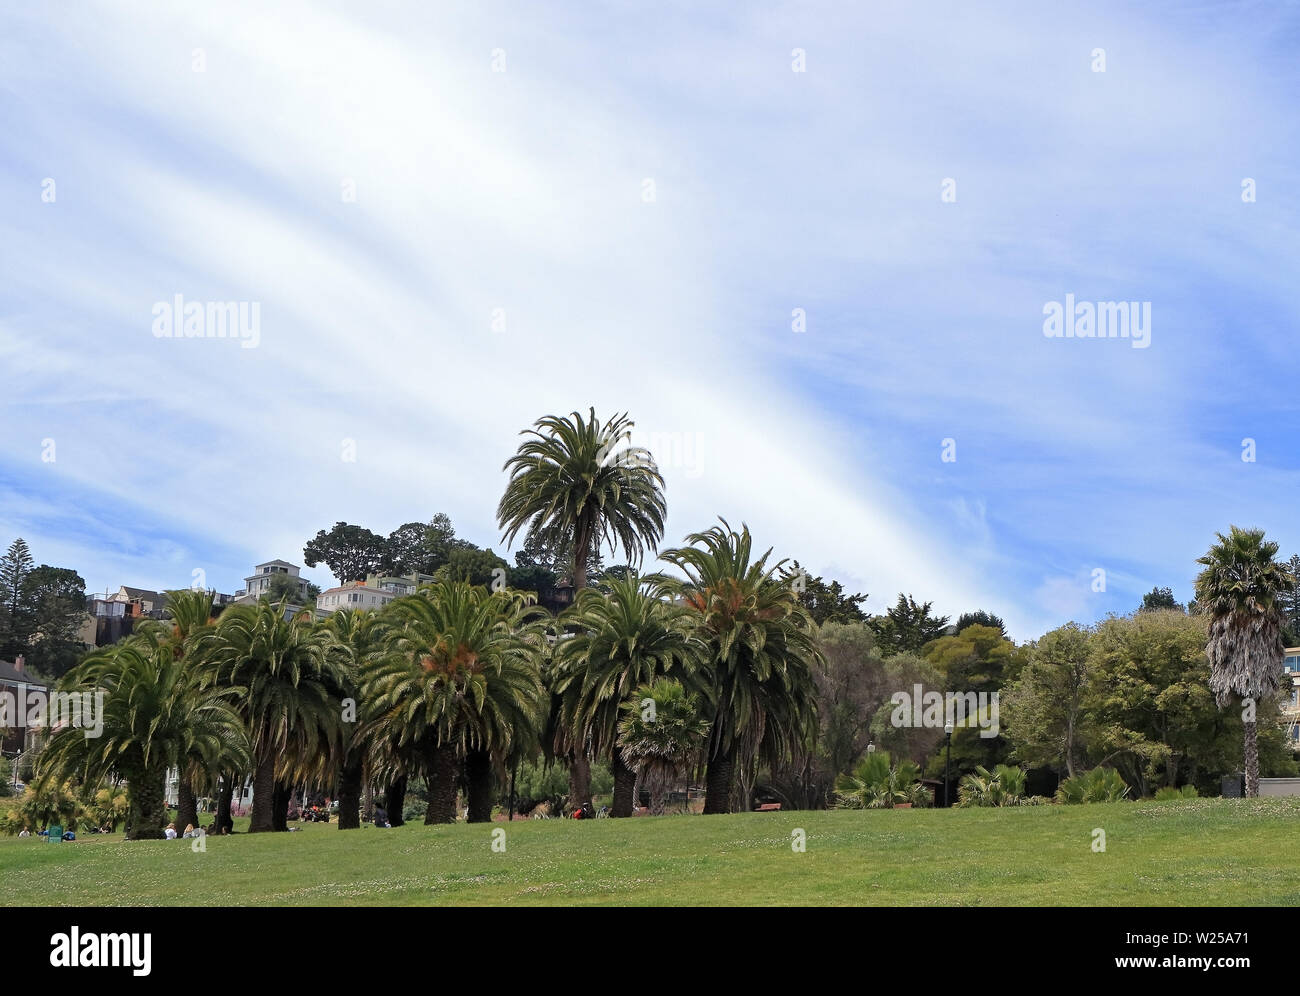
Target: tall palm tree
{"x": 761, "y": 652}
{"x": 659, "y": 745}
{"x": 461, "y": 677}
{"x": 157, "y": 714}
{"x": 624, "y": 639}
{"x": 293, "y": 684}
{"x": 573, "y": 486}
{"x": 357, "y": 642}
{"x": 190, "y": 612}
{"x": 1239, "y": 589}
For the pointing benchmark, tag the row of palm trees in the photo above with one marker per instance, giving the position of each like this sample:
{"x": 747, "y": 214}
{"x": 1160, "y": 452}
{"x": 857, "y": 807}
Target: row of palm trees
{"x": 458, "y": 682}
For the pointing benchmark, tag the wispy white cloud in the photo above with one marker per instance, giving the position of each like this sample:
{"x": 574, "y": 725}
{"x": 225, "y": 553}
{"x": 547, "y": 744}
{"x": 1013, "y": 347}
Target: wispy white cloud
{"x": 519, "y": 195}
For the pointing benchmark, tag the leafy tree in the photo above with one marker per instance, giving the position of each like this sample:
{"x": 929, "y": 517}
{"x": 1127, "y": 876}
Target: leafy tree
{"x": 1289, "y": 603}
{"x": 762, "y": 652}
{"x": 16, "y": 616}
{"x": 1160, "y": 598}
{"x": 1238, "y": 590}
{"x": 978, "y": 659}
{"x": 1045, "y": 709}
{"x": 407, "y": 551}
{"x": 825, "y": 602}
{"x": 851, "y": 688}
{"x": 1154, "y": 716}
{"x": 350, "y": 552}
{"x": 55, "y": 597}
{"x": 903, "y": 673}
{"x": 469, "y": 563}
{"x": 658, "y": 746}
{"x": 624, "y": 640}
{"x": 908, "y": 626}
{"x": 285, "y": 588}
{"x": 981, "y": 618}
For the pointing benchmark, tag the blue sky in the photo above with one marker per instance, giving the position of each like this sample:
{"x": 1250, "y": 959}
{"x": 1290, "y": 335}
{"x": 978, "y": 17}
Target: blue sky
{"x": 520, "y": 196}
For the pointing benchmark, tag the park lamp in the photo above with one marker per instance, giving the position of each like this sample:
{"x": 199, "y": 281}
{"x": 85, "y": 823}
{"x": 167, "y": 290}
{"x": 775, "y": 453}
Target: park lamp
{"x": 871, "y": 747}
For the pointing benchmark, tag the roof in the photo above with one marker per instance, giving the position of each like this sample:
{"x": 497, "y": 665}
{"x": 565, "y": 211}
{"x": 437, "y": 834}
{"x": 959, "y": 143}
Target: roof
{"x": 9, "y": 674}
{"x": 152, "y": 596}
{"x": 269, "y": 563}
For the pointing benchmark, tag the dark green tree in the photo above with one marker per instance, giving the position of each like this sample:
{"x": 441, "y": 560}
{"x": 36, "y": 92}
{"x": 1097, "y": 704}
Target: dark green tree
{"x": 16, "y": 615}
{"x": 350, "y": 552}
{"x": 908, "y": 626}
{"x": 1160, "y": 598}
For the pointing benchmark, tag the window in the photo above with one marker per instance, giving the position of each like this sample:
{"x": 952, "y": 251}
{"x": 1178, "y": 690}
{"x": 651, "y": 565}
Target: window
{"x": 1292, "y": 662}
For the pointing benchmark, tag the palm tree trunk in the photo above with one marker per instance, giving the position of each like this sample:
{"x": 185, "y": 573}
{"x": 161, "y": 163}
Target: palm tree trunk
{"x": 579, "y": 780}
{"x": 1252, "y": 761}
{"x": 280, "y": 806}
{"x": 225, "y": 798}
{"x": 263, "y": 794}
{"x": 368, "y": 788}
{"x": 624, "y": 786}
{"x": 581, "y": 548}
{"x": 478, "y": 776}
{"x": 636, "y": 792}
{"x": 440, "y": 777}
{"x": 147, "y": 815}
{"x": 395, "y": 801}
{"x": 717, "y": 781}
{"x": 187, "y": 807}
{"x": 350, "y": 793}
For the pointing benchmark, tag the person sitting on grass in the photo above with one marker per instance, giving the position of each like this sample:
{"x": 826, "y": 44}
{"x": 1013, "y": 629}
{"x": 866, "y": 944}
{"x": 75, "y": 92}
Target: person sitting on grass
{"x": 170, "y": 832}
{"x": 25, "y": 833}
{"x": 189, "y": 831}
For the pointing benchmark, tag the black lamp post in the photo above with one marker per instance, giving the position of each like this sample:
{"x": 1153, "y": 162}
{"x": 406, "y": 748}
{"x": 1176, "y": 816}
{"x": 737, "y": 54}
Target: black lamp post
{"x": 947, "y": 767}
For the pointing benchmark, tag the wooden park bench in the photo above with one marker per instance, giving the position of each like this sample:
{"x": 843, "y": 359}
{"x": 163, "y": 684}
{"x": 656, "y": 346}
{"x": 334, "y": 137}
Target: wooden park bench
{"x": 768, "y": 807}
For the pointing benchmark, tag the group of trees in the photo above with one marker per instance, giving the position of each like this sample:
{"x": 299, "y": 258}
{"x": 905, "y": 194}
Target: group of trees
{"x": 41, "y": 612}
{"x": 458, "y": 682}
{"x": 728, "y": 663}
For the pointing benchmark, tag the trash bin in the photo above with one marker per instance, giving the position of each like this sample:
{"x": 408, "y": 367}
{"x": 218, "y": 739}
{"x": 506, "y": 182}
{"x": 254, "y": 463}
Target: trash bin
{"x": 56, "y": 835}
{"x": 1233, "y": 786}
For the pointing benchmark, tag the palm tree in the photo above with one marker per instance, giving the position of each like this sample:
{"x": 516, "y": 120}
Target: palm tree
{"x": 1240, "y": 590}
{"x": 357, "y": 642}
{"x": 658, "y": 745}
{"x": 292, "y": 685}
{"x": 190, "y": 611}
{"x": 761, "y": 652}
{"x": 157, "y": 713}
{"x": 572, "y": 489}
{"x": 461, "y": 675}
{"x": 624, "y": 639}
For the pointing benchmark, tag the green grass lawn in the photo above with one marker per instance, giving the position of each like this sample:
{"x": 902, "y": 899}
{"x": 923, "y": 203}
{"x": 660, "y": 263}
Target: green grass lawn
{"x": 1188, "y": 852}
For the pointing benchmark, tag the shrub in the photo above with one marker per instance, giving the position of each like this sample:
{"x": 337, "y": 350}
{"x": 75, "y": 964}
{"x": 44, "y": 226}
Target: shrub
{"x": 1003, "y": 786}
{"x": 875, "y": 784}
{"x": 1169, "y": 792}
{"x": 1097, "y": 785}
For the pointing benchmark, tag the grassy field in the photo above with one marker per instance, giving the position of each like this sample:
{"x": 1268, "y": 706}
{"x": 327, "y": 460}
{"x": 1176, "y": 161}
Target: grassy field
{"x": 1188, "y": 852}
